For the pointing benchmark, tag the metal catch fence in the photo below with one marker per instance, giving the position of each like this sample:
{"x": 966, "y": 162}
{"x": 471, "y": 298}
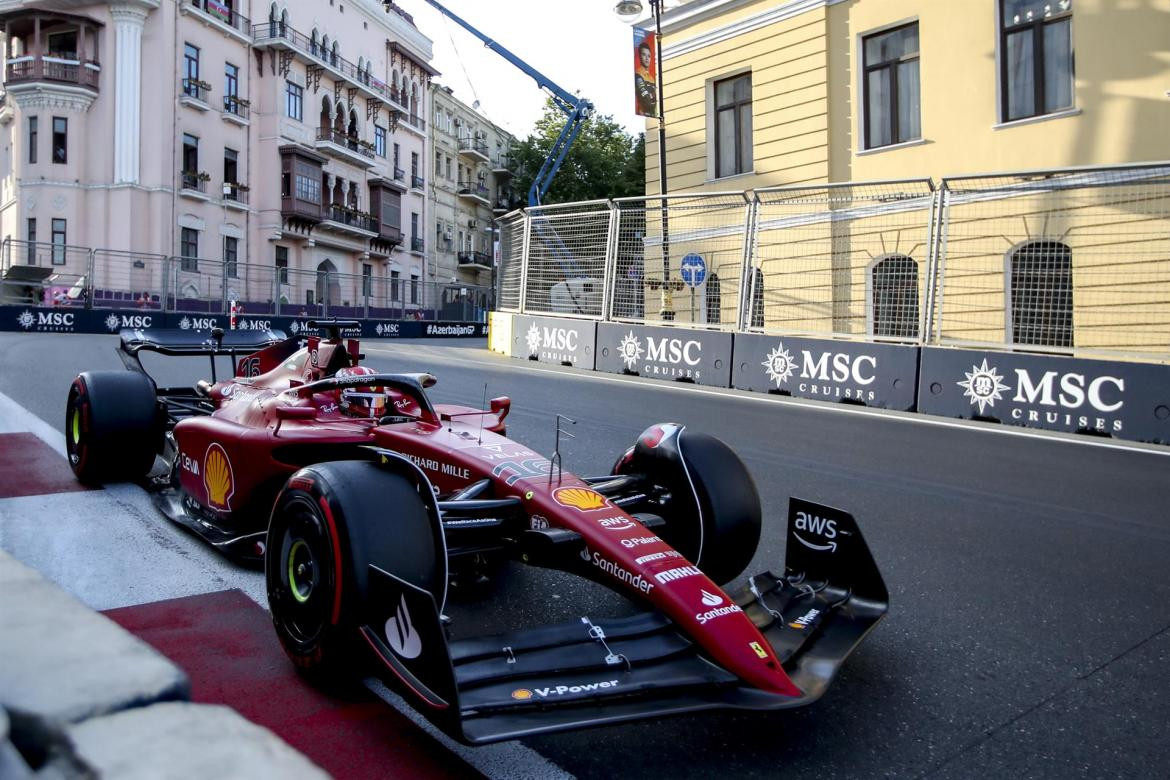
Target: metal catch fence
{"x": 1074, "y": 261}
{"x": 57, "y": 275}
{"x": 1069, "y": 261}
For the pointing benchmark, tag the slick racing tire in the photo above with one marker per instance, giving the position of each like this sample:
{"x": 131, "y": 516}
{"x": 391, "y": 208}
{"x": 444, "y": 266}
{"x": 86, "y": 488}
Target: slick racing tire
{"x": 112, "y": 429}
{"x": 712, "y": 512}
{"x": 329, "y": 523}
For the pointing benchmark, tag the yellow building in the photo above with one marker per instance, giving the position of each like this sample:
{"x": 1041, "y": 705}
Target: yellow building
{"x": 810, "y": 93}
{"x": 850, "y": 90}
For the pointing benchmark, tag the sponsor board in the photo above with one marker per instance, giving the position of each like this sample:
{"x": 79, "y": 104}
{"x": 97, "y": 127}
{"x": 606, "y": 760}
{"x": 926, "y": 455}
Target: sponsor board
{"x": 882, "y": 375}
{"x": 1124, "y": 400}
{"x": 681, "y": 354}
{"x": 554, "y": 340}
{"x": 70, "y": 319}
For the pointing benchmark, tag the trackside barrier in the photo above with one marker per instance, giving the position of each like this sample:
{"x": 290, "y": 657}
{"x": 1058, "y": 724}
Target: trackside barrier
{"x": 568, "y": 342}
{"x": 32, "y": 319}
{"x": 874, "y": 374}
{"x": 1121, "y": 399}
{"x": 683, "y": 354}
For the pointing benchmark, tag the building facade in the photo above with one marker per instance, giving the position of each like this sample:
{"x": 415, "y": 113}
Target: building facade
{"x": 471, "y": 184}
{"x": 979, "y": 172}
{"x": 212, "y": 150}
{"x": 761, "y": 93}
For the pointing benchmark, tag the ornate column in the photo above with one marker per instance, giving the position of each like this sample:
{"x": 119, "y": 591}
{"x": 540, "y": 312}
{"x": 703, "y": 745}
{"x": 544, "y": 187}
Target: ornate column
{"x": 129, "y": 19}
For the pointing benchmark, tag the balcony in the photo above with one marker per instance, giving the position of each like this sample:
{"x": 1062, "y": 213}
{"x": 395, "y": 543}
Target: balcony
{"x": 194, "y": 93}
{"x": 399, "y": 174}
{"x": 474, "y": 149}
{"x": 504, "y": 204}
{"x": 193, "y": 184}
{"x": 277, "y": 35}
{"x": 474, "y": 192}
{"x": 502, "y": 165}
{"x": 217, "y": 14}
{"x": 415, "y": 123}
{"x": 416, "y": 244}
{"x": 235, "y": 195}
{"x": 345, "y": 147}
{"x": 57, "y": 69}
{"x": 236, "y": 110}
{"x": 388, "y": 237}
{"x": 347, "y": 220}
{"x": 417, "y": 183}
{"x": 475, "y": 260}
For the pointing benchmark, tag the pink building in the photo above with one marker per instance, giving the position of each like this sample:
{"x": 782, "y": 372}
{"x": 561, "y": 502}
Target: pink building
{"x": 188, "y": 152}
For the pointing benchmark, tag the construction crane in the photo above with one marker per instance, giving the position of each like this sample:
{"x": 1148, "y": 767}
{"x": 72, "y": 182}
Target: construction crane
{"x": 576, "y": 108}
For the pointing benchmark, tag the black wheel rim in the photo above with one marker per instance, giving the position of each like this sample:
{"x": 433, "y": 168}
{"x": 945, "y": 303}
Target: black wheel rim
{"x": 304, "y": 572}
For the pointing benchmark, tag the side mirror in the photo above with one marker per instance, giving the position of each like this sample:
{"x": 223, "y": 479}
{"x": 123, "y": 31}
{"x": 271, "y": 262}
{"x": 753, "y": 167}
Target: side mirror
{"x": 501, "y": 406}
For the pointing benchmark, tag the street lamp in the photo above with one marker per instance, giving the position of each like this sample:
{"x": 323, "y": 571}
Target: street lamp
{"x": 628, "y": 11}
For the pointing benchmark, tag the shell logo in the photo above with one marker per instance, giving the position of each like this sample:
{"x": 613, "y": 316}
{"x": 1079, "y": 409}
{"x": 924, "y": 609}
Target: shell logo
{"x": 522, "y": 694}
{"x": 580, "y": 498}
{"x": 218, "y": 478}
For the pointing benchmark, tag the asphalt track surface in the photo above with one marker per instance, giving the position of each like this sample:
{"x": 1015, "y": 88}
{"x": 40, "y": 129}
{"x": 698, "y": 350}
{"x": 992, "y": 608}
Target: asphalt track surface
{"x": 1029, "y": 575}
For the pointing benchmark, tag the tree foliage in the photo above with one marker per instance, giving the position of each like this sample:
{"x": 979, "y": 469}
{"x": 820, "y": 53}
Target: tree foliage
{"x": 604, "y": 162}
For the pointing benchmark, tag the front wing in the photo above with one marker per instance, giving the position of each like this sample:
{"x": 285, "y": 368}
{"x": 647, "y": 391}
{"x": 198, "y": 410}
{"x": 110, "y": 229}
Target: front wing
{"x": 595, "y": 672}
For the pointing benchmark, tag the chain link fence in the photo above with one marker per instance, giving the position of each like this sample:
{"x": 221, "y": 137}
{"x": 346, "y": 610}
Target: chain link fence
{"x": 680, "y": 259}
{"x": 1073, "y": 261}
{"x": 841, "y": 259}
{"x": 1066, "y": 261}
{"x": 58, "y": 275}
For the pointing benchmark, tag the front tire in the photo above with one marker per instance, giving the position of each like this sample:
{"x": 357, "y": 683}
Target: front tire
{"x": 112, "y": 427}
{"x": 713, "y": 515}
{"x": 330, "y": 522}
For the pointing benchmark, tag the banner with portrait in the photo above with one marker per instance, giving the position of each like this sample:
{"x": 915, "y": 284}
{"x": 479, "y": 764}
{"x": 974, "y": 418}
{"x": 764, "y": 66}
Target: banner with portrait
{"x": 645, "y": 73}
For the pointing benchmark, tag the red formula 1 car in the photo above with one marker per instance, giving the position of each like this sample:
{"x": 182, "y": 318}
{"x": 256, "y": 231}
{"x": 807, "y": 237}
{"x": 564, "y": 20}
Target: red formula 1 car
{"x": 363, "y": 498}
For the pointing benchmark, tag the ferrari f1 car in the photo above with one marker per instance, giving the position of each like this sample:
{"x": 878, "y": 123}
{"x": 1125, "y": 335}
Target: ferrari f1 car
{"x": 362, "y": 497}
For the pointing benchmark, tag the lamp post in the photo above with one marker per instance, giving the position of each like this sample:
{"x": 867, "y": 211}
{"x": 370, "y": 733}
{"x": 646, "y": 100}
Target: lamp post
{"x": 628, "y": 10}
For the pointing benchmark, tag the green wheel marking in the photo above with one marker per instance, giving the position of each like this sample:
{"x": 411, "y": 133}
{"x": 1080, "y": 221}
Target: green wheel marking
{"x": 76, "y": 426}
{"x": 292, "y": 576}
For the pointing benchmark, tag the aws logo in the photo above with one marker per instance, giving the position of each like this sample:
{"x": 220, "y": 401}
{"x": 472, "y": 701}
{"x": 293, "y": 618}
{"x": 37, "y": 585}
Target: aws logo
{"x": 816, "y": 527}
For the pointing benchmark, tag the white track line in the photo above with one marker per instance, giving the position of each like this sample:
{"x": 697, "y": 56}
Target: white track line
{"x": 647, "y": 383}
{"x": 14, "y": 418}
{"x": 503, "y": 759}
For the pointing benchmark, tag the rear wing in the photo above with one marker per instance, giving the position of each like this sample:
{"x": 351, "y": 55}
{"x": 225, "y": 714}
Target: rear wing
{"x": 211, "y": 344}
{"x": 172, "y": 341}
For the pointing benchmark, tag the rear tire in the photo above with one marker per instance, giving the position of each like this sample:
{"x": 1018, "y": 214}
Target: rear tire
{"x": 112, "y": 429}
{"x": 714, "y": 515}
{"x": 329, "y": 523}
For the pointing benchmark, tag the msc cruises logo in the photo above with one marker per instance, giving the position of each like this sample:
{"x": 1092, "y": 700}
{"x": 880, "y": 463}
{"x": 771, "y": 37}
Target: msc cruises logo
{"x": 983, "y": 385}
{"x": 630, "y": 350}
{"x": 779, "y": 364}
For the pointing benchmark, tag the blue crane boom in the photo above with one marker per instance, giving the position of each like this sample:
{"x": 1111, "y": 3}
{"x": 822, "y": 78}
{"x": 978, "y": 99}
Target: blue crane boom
{"x": 576, "y": 108}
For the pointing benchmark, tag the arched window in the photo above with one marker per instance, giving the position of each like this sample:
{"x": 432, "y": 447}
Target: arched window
{"x": 273, "y": 17}
{"x": 324, "y": 53}
{"x": 334, "y": 54}
{"x": 353, "y": 128}
{"x": 313, "y": 48}
{"x": 757, "y": 309}
{"x": 711, "y": 300}
{"x": 326, "y": 114}
{"x": 1041, "y": 294}
{"x": 284, "y": 23}
{"x": 893, "y": 289}
{"x": 328, "y": 285}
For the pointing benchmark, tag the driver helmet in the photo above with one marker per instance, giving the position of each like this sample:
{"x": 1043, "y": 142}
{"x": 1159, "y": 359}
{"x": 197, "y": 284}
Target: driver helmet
{"x": 361, "y": 400}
